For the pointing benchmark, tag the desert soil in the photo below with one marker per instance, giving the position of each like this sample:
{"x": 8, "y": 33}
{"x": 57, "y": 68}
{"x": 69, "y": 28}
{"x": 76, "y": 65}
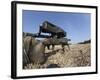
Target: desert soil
{"x": 79, "y": 55}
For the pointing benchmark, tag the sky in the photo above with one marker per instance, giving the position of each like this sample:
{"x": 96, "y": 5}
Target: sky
{"x": 77, "y": 25}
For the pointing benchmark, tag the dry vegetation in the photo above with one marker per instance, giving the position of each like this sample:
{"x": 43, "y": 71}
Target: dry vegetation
{"x": 77, "y": 56}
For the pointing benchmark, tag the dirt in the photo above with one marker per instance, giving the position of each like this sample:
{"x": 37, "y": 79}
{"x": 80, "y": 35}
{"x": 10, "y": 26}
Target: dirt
{"x": 79, "y": 55}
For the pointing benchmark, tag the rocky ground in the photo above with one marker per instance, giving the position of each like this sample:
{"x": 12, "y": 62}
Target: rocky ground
{"x": 79, "y": 55}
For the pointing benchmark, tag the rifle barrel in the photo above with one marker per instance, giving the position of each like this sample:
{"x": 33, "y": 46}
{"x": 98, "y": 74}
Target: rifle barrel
{"x": 37, "y": 35}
